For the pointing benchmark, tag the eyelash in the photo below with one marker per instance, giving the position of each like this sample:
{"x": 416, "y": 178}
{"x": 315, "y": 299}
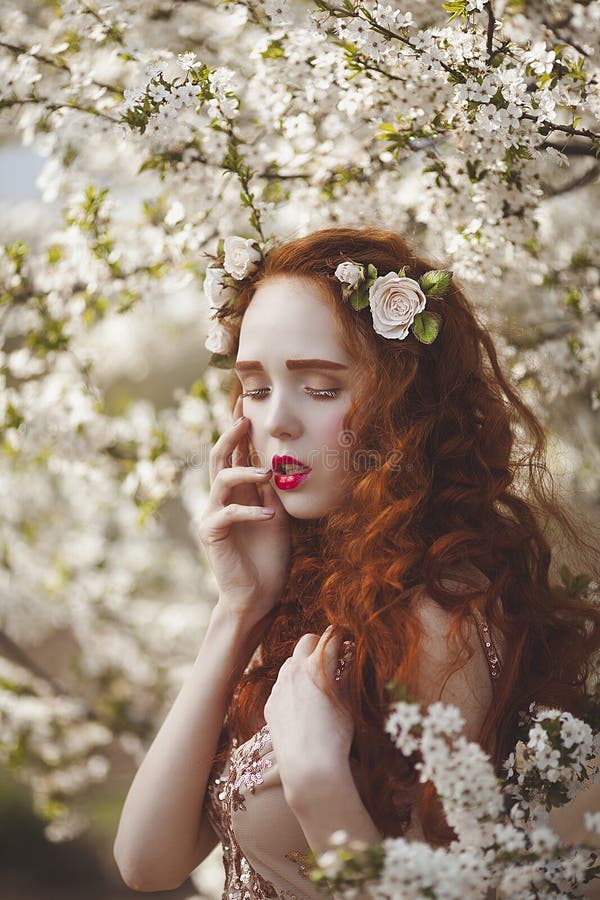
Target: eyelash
{"x": 318, "y": 395}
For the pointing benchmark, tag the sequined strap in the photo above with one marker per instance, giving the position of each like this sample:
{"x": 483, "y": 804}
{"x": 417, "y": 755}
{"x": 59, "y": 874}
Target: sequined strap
{"x": 489, "y": 647}
{"x": 347, "y": 648}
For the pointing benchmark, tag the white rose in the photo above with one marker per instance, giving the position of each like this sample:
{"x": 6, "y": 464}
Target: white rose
{"x": 240, "y": 256}
{"x": 220, "y": 338}
{"x": 350, "y": 273}
{"x": 395, "y": 301}
{"x": 215, "y": 290}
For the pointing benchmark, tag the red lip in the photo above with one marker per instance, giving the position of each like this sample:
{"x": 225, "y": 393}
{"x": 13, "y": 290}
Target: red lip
{"x": 278, "y": 461}
{"x": 289, "y": 482}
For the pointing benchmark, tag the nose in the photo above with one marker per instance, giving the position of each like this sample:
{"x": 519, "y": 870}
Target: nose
{"x": 281, "y": 421}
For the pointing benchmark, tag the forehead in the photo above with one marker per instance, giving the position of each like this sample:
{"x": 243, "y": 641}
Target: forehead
{"x": 290, "y": 316}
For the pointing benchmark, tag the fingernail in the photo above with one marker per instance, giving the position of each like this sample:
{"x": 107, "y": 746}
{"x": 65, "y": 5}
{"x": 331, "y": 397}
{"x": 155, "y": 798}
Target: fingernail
{"x": 263, "y": 470}
{"x": 238, "y": 421}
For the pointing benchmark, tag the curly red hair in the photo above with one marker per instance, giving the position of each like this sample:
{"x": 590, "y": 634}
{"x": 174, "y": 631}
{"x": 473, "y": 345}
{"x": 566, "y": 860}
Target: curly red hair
{"x": 467, "y": 489}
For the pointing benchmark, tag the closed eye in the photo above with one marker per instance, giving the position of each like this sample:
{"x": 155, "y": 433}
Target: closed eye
{"x": 318, "y": 395}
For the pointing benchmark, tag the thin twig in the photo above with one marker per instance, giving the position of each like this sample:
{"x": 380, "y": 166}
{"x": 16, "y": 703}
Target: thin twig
{"x": 570, "y": 149}
{"x": 490, "y": 30}
{"x": 588, "y": 177}
{"x": 53, "y": 107}
{"x": 57, "y": 64}
{"x": 568, "y": 129}
{"x": 16, "y": 654}
{"x": 110, "y": 29}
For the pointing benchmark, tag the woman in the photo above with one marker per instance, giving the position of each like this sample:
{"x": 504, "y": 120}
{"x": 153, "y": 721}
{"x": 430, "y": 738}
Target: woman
{"x": 406, "y": 535}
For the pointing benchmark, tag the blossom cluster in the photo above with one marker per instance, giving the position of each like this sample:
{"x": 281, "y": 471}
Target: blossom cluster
{"x": 496, "y": 845}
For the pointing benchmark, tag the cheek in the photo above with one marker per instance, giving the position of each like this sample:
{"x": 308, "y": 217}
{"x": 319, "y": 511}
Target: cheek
{"x": 336, "y": 443}
{"x": 333, "y": 429}
{"x": 337, "y": 435}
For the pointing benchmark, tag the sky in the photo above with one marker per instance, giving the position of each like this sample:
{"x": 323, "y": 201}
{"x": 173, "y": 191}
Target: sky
{"x": 19, "y": 167}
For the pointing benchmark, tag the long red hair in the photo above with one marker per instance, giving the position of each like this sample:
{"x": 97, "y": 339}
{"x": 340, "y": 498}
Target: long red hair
{"x": 472, "y": 485}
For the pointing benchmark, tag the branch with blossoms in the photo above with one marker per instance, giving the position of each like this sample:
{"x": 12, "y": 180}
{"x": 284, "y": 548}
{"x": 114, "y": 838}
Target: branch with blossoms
{"x": 201, "y": 86}
{"x": 355, "y": 35}
{"x": 503, "y": 836}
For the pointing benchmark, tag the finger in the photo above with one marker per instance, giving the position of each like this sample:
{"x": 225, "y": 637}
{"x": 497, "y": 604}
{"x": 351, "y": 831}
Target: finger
{"x": 221, "y": 454}
{"x": 216, "y": 527}
{"x": 271, "y": 498}
{"x": 242, "y": 450}
{"x": 237, "y": 410}
{"x": 237, "y": 457}
{"x": 222, "y": 451}
{"x": 306, "y": 644}
{"x": 253, "y": 455}
{"x": 323, "y": 638}
{"x": 328, "y": 647}
{"x": 236, "y": 413}
{"x": 244, "y": 476}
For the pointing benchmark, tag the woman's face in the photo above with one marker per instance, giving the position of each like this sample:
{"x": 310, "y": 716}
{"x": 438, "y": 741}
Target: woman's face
{"x": 295, "y": 408}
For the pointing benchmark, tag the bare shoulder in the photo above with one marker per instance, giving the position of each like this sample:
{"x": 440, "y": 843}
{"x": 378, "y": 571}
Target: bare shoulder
{"x": 444, "y": 671}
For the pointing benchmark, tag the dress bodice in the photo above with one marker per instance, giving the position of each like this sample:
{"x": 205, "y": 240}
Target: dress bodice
{"x": 264, "y": 847}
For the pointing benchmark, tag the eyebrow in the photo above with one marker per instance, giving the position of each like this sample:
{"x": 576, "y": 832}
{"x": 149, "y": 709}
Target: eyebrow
{"x": 254, "y": 365}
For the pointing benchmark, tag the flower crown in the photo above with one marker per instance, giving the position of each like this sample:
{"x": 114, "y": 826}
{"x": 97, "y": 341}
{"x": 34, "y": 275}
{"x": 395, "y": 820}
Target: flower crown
{"x": 397, "y": 303}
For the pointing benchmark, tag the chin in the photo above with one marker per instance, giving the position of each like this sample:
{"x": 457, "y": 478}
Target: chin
{"x": 298, "y": 510}
{"x": 299, "y": 507}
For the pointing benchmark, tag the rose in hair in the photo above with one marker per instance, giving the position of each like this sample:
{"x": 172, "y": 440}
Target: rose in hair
{"x": 215, "y": 288}
{"x": 220, "y": 338}
{"x": 350, "y": 273}
{"x": 241, "y": 256}
{"x": 395, "y": 301}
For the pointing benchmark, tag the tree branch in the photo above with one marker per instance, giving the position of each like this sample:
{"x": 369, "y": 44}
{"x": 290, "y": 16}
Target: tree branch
{"x": 57, "y": 64}
{"x": 570, "y": 149}
{"x": 568, "y": 129}
{"x": 565, "y": 40}
{"x": 588, "y": 177}
{"x": 490, "y": 30}
{"x": 16, "y": 654}
{"x": 52, "y": 107}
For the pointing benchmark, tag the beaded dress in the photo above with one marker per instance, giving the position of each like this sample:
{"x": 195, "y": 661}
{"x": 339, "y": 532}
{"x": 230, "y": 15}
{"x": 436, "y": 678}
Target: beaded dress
{"x": 264, "y": 847}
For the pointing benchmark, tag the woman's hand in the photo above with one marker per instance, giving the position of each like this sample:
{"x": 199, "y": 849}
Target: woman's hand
{"x": 311, "y": 735}
{"x": 249, "y": 552}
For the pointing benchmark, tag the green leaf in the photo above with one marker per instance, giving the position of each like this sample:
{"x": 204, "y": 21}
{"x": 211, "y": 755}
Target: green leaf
{"x": 435, "y": 283}
{"x": 273, "y": 51}
{"x": 146, "y": 510}
{"x": 54, "y": 254}
{"x": 581, "y": 583}
{"x": 566, "y": 575}
{"x": 426, "y": 326}
{"x": 359, "y": 299}
{"x": 573, "y": 301}
{"x": 400, "y": 691}
{"x": 153, "y": 162}
{"x": 199, "y": 390}
{"x": 221, "y": 361}
{"x": 456, "y": 8}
